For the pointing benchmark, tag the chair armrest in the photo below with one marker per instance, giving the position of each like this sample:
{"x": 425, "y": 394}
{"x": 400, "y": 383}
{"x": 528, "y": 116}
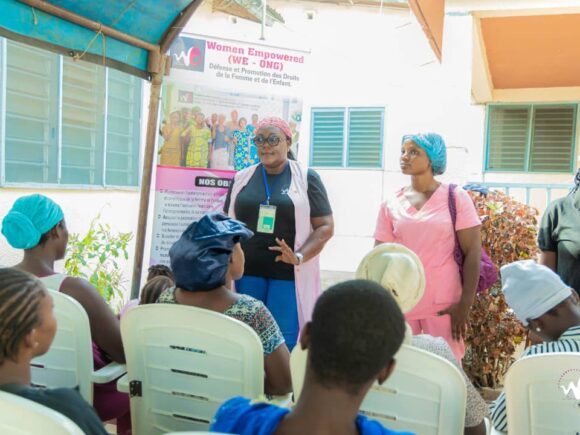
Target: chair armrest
{"x": 123, "y": 384}
{"x": 109, "y": 373}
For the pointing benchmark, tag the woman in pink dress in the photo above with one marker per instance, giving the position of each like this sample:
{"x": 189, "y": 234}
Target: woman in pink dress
{"x": 418, "y": 217}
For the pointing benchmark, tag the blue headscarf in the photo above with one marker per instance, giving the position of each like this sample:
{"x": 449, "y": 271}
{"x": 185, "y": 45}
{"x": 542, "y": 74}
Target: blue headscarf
{"x": 30, "y": 217}
{"x": 200, "y": 258}
{"x": 434, "y": 146}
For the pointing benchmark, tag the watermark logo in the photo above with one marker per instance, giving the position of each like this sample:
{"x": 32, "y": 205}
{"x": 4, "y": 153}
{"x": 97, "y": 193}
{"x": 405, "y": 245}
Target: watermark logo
{"x": 188, "y": 53}
{"x": 569, "y": 384}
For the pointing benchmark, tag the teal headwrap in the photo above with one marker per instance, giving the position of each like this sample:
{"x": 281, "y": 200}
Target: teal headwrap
{"x": 434, "y": 146}
{"x": 30, "y": 217}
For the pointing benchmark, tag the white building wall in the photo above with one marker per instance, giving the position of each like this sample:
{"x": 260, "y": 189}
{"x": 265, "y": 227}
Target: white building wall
{"x": 358, "y": 58}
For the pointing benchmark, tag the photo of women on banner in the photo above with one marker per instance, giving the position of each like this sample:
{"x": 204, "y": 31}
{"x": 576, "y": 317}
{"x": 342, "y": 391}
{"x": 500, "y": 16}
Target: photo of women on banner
{"x": 209, "y": 128}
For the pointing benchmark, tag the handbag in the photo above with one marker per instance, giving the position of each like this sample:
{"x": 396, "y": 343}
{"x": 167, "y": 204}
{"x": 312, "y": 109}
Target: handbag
{"x": 487, "y": 271}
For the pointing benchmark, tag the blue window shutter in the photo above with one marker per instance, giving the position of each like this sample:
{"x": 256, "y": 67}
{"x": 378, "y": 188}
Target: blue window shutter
{"x": 83, "y": 107}
{"x": 508, "y": 138}
{"x": 553, "y": 139}
{"x": 365, "y": 138}
{"x": 123, "y": 129}
{"x": 327, "y": 137}
{"x": 31, "y": 115}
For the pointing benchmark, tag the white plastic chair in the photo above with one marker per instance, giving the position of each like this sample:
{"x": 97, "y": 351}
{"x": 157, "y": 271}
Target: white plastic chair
{"x": 69, "y": 361}
{"x": 536, "y": 403}
{"x": 19, "y": 416}
{"x": 184, "y": 362}
{"x": 425, "y": 394}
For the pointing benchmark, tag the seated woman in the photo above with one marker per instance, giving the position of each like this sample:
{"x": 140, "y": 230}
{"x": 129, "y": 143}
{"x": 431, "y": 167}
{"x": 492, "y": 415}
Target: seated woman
{"x": 36, "y": 224}
{"x": 153, "y": 288}
{"x": 355, "y": 332}
{"x": 399, "y": 270}
{"x": 207, "y": 252}
{"x": 27, "y": 328}
{"x": 545, "y": 305}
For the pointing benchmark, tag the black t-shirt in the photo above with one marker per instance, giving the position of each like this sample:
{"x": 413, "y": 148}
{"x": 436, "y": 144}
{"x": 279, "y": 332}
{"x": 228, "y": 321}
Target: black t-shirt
{"x": 560, "y": 233}
{"x": 66, "y": 401}
{"x": 259, "y": 259}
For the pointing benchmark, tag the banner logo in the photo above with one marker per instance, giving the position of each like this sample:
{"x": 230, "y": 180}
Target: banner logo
{"x": 189, "y": 54}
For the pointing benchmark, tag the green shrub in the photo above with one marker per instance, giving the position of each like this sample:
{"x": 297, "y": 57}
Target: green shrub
{"x": 95, "y": 257}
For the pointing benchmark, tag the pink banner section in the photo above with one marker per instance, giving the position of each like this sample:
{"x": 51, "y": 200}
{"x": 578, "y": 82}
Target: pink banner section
{"x": 182, "y": 196}
{"x": 177, "y": 178}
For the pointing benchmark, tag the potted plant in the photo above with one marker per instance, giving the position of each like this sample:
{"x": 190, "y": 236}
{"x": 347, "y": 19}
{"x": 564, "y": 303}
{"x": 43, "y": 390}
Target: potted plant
{"x": 509, "y": 232}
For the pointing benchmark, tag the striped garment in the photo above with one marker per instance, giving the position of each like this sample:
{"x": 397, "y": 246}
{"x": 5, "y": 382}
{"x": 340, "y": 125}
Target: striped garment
{"x": 568, "y": 342}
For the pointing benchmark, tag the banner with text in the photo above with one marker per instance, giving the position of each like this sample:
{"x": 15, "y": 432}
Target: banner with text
{"x": 217, "y": 92}
{"x": 183, "y": 195}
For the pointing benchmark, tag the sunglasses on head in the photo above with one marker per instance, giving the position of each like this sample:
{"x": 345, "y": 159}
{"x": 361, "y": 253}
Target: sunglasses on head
{"x": 272, "y": 140}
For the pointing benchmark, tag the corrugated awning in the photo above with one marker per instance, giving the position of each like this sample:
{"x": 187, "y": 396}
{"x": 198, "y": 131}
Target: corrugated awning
{"x": 431, "y": 16}
{"x": 129, "y": 35}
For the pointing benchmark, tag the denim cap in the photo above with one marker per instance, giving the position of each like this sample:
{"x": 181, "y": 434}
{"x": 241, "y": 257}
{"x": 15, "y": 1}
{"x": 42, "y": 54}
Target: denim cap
{"x": 531, "y": 289}
{"x": 434, "y": 146}
{"x": 200, "y": 258}
{"x": 30, "y": 217}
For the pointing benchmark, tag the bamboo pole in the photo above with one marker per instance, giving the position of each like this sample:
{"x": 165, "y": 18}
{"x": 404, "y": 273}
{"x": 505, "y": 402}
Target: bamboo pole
{"x": 89, "y": 24}
{"x": 156, "y": 82}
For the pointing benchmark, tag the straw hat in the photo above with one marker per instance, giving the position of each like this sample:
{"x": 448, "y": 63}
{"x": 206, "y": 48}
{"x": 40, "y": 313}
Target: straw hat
{"x": 398, "y": 269}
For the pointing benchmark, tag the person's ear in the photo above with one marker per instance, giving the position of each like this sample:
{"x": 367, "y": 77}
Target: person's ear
{"x": 536, "y": 325}
{"x": 575, "y": 298}
{"x": 305, "y": 336}
{"x": 386, "y": 371}
{"x": 30, "y": 341}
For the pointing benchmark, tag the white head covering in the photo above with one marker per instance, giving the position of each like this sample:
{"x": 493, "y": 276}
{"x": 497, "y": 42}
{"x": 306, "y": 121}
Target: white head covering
{"x": 531, "y": 290}
{"x": 398, "y": 269}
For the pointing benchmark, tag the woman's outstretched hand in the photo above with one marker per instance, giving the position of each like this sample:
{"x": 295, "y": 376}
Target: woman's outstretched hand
{"x": 286, "y": 253}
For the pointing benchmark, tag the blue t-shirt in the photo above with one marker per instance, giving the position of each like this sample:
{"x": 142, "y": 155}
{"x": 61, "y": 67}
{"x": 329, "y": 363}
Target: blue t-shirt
{"x": 239, "y": 416}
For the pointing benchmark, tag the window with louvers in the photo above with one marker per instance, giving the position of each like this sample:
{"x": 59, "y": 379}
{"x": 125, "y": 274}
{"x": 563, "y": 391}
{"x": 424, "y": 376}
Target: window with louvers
{"x": 31, "y": 142}
{"x": 365, "y": 138}
{"x": 347, "y": 137}
{"x": 68, "y": 122}
{"x": 327, "y": 137}
{"x": 532, "y": 138}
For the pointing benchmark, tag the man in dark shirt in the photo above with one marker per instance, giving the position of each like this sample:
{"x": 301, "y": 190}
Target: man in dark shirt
{"x": 559, "y": 237}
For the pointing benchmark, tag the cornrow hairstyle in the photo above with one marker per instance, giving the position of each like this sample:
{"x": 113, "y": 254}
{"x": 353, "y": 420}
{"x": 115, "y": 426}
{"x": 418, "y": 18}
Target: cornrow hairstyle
{"x": 153, "y": 289}
{"x": 20, "y": 297}
{"x": 159, "y": 270}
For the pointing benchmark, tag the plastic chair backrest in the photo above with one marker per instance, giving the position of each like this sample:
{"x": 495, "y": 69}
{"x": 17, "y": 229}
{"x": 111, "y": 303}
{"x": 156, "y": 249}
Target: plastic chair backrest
{"x": 69, "y": 361}
{"x": 20, "y": 416}
{"x": 425, "y": 393}
{"x": 543, "y": 395}
{"x": 184, "y": 362}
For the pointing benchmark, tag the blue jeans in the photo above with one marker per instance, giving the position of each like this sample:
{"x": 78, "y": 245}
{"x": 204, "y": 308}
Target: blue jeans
{"x": 279, "y": 296}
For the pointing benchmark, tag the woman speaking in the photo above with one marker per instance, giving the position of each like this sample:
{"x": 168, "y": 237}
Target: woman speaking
{"x": 286, "y": 206}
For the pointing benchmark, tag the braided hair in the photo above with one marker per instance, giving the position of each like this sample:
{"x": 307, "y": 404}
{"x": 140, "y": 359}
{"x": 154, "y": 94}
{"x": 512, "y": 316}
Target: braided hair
{"x": 20, "y": 298}
{"x": 159, "y": 270}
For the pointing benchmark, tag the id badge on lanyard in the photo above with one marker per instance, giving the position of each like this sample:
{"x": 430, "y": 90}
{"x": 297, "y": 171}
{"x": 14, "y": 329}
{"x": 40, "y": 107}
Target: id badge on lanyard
{"x": 267, "y": 212}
